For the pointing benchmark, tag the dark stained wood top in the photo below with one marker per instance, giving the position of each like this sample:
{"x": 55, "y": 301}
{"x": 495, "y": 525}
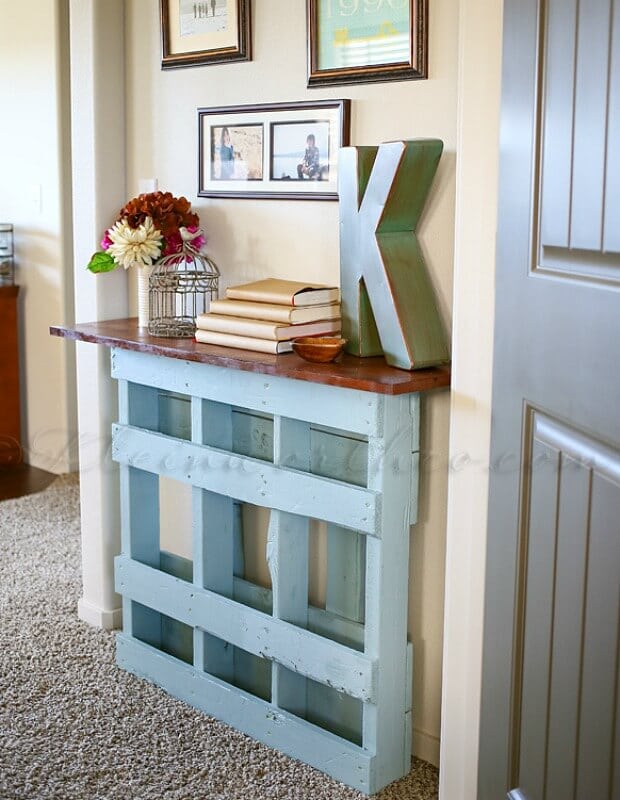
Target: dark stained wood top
{"x": 366, "y": 374}
{"x": 9, "y": 290}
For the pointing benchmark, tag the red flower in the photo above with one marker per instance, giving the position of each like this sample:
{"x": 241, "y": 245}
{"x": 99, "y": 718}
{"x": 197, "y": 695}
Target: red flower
{"x": 172, "y": 244}
{"x": 168, "y": 213}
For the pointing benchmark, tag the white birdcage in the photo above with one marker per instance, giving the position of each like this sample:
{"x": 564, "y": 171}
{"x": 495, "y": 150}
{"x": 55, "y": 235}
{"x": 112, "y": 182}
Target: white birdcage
{"x": 181, "y": 286}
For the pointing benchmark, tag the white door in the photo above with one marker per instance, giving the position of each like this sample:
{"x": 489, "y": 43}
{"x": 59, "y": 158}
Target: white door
{"x": 550, "y": 723}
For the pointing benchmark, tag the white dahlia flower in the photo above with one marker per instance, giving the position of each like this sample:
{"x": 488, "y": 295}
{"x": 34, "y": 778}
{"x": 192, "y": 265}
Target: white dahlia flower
{"x": 140, "y": 246}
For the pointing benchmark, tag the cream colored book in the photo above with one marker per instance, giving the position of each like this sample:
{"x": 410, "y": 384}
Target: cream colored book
{"x": 285, "y": 293}
{"x": 243, "y": 342}
{"x": 261, "y": 329}
{"x": 275, "y": 313}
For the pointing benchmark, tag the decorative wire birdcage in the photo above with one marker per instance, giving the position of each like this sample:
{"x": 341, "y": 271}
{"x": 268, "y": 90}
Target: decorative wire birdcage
{"x": 181, "y": 286}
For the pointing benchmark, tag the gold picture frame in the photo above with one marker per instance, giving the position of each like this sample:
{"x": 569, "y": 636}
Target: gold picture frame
{"x": 202, "y": 32}
{"x": 366, "y": 41}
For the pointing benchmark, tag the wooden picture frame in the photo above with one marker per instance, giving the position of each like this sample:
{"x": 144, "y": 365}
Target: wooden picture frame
{"x": 206, "y": 32}
{"x": 366, "y": 41}
{"x": 276, "y": 150}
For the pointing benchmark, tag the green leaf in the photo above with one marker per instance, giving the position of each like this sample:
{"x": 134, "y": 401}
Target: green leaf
{"x": 102, "y": 262}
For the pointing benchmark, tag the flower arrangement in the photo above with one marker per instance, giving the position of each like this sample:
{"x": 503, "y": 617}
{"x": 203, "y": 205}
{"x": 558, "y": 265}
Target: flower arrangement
{"x": 149, "y": 227}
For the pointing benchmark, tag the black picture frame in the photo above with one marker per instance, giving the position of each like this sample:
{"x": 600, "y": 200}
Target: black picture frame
{"x": 265, "y": 148}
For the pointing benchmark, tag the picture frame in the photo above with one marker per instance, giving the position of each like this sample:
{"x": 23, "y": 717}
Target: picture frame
{"x": 275, "y": 150}
{"x": 366, "y": 41}
{"x": 202, "y": 32}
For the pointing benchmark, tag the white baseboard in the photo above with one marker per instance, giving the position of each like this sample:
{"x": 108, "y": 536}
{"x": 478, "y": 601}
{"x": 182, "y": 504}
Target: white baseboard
{"x": 98, "y": 617}
{"x": 57, "y": 466}
{"x": 426, "y": 747}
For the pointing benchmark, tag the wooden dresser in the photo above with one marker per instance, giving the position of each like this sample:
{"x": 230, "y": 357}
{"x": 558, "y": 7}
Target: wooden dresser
{"x": 10, "y": 448}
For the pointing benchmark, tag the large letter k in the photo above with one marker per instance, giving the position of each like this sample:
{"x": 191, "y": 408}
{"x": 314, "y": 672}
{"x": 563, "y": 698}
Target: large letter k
{"x": 388, "y": 302}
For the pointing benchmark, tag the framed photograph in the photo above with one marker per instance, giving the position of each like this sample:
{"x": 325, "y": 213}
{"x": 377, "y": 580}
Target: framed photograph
{"x": 366, "y": 41}
{"x": 204, "y": 32}
{"x": 278, "y": 150}
{"x": 241, "y": 161}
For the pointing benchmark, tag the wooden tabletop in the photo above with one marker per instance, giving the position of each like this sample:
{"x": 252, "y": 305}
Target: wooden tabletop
{"x": 366, "y": 374}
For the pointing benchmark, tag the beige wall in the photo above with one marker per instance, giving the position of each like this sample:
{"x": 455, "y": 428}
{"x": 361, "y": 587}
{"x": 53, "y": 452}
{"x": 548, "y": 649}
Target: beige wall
{"x": 250, "y": 239}
{"x": 34, "y": 196}
{"x": 253, "y": 238}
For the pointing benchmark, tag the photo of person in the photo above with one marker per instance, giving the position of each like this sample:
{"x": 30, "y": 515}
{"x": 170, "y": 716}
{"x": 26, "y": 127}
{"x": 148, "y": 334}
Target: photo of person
{"x": 237, "y": 153}
{"x": 300, "y": 151}
{"x": 310, "y": 166}
{"x": 209, "y": 16}
{"x": 227, "y": 156}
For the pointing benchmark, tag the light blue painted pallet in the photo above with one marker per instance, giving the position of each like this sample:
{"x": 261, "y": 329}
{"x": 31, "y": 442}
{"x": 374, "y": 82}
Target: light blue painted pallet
{"x": 330, "y": 686}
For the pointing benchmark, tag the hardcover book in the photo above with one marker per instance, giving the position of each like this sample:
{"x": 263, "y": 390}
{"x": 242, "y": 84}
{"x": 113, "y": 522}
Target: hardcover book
{"x": 243, "y": 342}
{"x": 285, "y": 293}
{"x": 262, "y": 329}
{"x": 274, "y": 312}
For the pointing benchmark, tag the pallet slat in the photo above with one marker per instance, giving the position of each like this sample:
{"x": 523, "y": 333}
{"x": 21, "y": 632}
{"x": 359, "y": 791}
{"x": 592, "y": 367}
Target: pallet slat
{"x": 333, "y": 406}
{"x": 213, "y": 523}
{"x": 320, "y": 621}
{"x": 387, "y": 570}
{"x": 278, "y": 729}
{"x": 247, "y": 479}
{"x": 287, "y": 557}
{"x": 299, "y": 650}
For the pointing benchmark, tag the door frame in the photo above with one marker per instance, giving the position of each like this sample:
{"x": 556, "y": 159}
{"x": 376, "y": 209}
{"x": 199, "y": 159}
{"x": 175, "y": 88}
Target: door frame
{"x": 479, "y": 90}
{"x": 97, "y": 47}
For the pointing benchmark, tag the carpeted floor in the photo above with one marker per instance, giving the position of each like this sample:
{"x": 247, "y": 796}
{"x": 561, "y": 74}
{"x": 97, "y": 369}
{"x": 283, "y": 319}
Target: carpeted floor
{"x": 74, "y": 727}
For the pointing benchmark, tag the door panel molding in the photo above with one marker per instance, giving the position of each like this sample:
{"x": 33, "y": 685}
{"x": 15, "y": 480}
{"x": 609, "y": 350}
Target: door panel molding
{"x": 566, "y": 624}
{"x": 579, "y": 446}
{"x": 576, "y": 182}
{"x": 594, "y": 268}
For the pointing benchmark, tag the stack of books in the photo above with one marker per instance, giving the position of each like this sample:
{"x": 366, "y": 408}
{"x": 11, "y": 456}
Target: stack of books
{"x": 267, "y": 315}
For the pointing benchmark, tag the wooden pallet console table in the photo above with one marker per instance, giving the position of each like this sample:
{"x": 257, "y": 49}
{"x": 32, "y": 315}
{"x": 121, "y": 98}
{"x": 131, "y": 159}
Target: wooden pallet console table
{"x": 337, "y": 443}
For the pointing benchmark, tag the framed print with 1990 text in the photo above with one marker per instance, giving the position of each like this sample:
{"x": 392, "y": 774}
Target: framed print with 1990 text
{"x": 278, "y": 150}
{"x": 366, "y": 41}
{"x": 202, "y": 32}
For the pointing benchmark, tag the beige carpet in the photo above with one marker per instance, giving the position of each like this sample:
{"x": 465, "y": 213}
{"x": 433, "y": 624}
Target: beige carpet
{"x": 74, "y": 727}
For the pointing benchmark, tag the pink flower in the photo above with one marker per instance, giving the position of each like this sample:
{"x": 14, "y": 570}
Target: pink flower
{"x": 194, "y": 236}
{"x": 173, "y": 243}
{"x": 106, "y": 241}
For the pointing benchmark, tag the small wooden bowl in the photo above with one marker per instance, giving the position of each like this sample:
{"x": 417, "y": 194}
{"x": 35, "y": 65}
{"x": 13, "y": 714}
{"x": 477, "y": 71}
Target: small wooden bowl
{"x": 319, "y": 349}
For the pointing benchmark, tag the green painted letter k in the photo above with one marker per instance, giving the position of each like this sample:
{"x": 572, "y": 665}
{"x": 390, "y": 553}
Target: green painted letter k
{"x": 388, "y": 302}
